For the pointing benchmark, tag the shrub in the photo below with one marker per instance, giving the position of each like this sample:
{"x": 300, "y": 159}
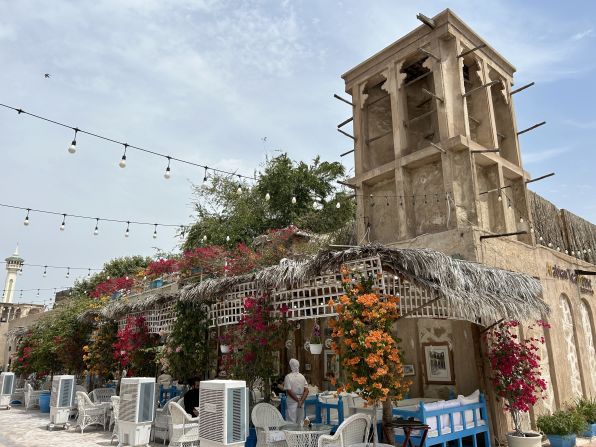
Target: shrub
{"x": 561, "y": 423}
{"x": 587, "y": 408}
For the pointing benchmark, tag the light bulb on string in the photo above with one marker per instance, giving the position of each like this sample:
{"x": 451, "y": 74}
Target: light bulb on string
{"x": 63, "y": 224}
{"x": 338, "y": 205}
{"x": 566, "y": 252}
{"x": 45, "y": 271}
{"x": 122, "y": 162}
{"x": 205, "y": 176}
{"x": 239, "y": 190}
{"x": 37, "y": 292}
{"x": 127, "y": 232}
{"x": 67, "y": 272}
{"x": 227, "y": 238}
{"x": 550, "y": 245}
{"x": 500, "y": 199}
{"x": 21, "y": 271}
{"x": 521, "y": 220}
{"x": 96, "y": 231}
{"x": 73, "y": 146}
{"x": 541, "y": 239}
{"x": 572, "y": 253}
{"x": 155, "y": 232}
{"x": 293, "y": 200}
{"x": 205, "y": 238}
{"x": 558, "y": 248}
{"x": 89, "y": 274}
{"x": 267, "y": 197}
{"x": 531, "y": 229}
{"x": 168, "y": 173}
{"x": 26, "y": 221}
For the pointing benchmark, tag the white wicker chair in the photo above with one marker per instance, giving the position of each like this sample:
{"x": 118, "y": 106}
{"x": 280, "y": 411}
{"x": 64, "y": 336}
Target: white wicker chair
{"x": 185, "y": 430}
{"x": 162, "y": 422}
{"x": 114, "y": 418}
{"x": 267, "y": 421}
{"x": 102, "y": 395}
{"x": 353, "y": 430}
{"x": 89, "y": 413}
{"x": 31, "y": 397}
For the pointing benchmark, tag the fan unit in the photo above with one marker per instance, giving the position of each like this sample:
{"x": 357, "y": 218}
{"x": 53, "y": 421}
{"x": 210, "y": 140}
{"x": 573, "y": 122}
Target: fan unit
{"x": 137, "y": 407}
{"x": 223, "y": 413}
{"x": 6, "y": 389}
{"x": 61, "y": 400}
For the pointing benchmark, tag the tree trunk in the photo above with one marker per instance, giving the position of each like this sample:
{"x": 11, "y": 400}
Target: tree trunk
{"x": 388, "y": 436}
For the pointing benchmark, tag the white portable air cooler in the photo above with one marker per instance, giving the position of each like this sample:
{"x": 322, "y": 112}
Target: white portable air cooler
{"x": 6, "y": 389}
{"x": 137, "y": 407}
{"x": 61, "y": 400}
{"x": 223, "y": 413}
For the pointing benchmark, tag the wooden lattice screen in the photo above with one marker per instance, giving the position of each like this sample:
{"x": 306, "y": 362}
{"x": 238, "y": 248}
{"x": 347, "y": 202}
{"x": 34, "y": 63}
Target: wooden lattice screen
{"x": 309, "y": 299}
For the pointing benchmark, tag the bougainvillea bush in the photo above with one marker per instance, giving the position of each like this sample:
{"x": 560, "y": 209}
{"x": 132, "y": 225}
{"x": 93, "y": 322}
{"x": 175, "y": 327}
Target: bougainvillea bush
{"x": 134, "y": 349}
{"x": 161, "y": 267}
{"x": 109, "y": 286}
{"x": 516, "y": 373}
{"x": 261, "y": 331}
{"x": 364, "y": 341}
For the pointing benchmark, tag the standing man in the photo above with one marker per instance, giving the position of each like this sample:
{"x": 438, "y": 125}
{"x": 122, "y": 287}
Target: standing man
{"x": 296, "y": 388}
{"x": 191, "y": 398}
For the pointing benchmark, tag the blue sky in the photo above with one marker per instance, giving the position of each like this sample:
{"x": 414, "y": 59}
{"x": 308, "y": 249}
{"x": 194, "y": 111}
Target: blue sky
{"x": 207, "y": 80}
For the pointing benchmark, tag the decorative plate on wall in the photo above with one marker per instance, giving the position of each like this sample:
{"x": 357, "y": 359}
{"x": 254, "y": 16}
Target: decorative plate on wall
{"x": 307, "y": 346}
{"x": 289, "y": 344}
{"x": 328, "y": 342}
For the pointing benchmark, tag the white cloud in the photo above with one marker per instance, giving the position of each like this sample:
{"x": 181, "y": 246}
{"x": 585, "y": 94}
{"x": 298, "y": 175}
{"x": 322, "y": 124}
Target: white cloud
{"x": 541, "y": 156}
{"x": 583, "y": 34}
{"x": 581, "y": 124}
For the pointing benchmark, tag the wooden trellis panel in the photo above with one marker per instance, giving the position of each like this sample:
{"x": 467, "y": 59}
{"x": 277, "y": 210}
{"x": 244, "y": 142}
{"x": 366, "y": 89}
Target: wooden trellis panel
{"x": 158, "y": 319}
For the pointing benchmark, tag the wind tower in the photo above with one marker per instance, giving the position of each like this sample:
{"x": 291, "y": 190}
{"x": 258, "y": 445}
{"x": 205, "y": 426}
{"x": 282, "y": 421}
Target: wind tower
{"x": 435, "y": 140}
{"x": 14, "y": 263}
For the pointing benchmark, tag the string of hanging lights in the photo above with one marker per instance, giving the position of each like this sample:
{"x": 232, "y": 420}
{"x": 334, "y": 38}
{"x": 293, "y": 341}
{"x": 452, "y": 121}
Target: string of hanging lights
{"x": 62, "y": 226}
{"x": 72, "y": 147}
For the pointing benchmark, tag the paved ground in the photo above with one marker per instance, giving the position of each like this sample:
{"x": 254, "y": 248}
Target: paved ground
{"x": 29, "y": 429}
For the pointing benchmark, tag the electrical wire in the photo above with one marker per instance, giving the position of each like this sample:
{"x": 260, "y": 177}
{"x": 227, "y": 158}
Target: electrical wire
{"x": 126, "y": 145}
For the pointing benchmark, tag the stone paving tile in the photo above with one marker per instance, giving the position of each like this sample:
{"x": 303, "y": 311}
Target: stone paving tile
{"x": 29, "y": 429}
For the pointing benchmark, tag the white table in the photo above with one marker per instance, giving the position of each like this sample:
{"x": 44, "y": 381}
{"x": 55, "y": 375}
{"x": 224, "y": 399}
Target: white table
{"x": 300, "y": 436}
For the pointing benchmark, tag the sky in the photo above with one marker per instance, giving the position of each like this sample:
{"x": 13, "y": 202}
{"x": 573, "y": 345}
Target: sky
{"x": 225, "y": 84}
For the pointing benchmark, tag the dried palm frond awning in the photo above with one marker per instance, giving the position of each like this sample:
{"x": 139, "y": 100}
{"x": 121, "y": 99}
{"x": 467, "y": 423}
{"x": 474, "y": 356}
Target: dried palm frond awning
{"x": 146, "y": 301}
{"x": 470, "y": 290}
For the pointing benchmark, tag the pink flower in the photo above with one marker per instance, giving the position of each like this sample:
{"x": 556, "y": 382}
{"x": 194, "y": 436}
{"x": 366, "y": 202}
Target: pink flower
{"x": 178, "y": 349}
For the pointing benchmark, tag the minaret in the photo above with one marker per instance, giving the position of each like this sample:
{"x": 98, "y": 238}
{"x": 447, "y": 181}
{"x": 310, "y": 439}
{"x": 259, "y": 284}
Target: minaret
{"x": 13, "y": 265}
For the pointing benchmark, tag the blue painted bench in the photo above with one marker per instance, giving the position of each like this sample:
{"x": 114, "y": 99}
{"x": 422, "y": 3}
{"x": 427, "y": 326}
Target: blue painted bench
{"x": 449, "y": 423}
{"x": 165, "y": 394}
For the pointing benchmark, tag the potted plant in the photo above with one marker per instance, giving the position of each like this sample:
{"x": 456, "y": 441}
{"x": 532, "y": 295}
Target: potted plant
{"x": 561, "y": 427}
{"x": 587, "y": 408}
{"x": 225, "y": 343}
{"x": 316, "y": 344}
{"x": 516, "y": 376}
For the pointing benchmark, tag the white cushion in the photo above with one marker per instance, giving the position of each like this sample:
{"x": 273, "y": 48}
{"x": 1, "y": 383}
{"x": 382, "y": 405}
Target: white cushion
{"x": 473, "y": 398}
{"x": 479, "y": 423}
{"x": 434, "y": 406}
{"x": 275, "y": 436}
{"x": 445, "y": 422}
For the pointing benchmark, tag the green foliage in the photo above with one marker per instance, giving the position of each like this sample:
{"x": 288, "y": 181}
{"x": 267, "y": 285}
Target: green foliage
{"x": 587, "y": 408}
{"x": 222, "y": 212}
{"x": 186, "y": 352}
{"x": 99, "y": 354}
{"x": 116, "y": 268}
{"x": 55, "y": 343}
{"x": 562, "y": 422}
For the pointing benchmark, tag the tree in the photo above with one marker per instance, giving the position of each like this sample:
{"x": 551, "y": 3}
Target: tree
{"x": 222, "y": 211}
{"x": 371, "y": 354}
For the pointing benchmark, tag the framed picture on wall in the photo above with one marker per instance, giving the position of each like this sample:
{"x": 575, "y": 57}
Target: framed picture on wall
{"x": 331, "y": 363}
{"x": 409, "y": 370}
{"x": 438, "y": 363}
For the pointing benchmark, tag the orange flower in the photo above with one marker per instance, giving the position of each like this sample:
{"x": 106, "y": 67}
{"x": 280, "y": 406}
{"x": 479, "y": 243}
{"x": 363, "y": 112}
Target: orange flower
{"x": 330, "y": 303}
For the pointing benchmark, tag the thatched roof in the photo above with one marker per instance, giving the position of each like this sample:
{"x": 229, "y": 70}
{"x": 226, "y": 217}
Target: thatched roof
{"x": 472, "y": 290}
{"x": 123, "y": 306}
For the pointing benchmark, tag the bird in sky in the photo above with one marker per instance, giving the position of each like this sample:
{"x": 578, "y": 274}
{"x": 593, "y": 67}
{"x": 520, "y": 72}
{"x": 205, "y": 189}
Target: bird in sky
{"x": 47, "y": 76}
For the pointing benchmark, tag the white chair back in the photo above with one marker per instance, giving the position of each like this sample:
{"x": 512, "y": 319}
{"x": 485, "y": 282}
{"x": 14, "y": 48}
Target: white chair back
{"x": 354, "y": 430}
{"x": 266, "y": 416}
